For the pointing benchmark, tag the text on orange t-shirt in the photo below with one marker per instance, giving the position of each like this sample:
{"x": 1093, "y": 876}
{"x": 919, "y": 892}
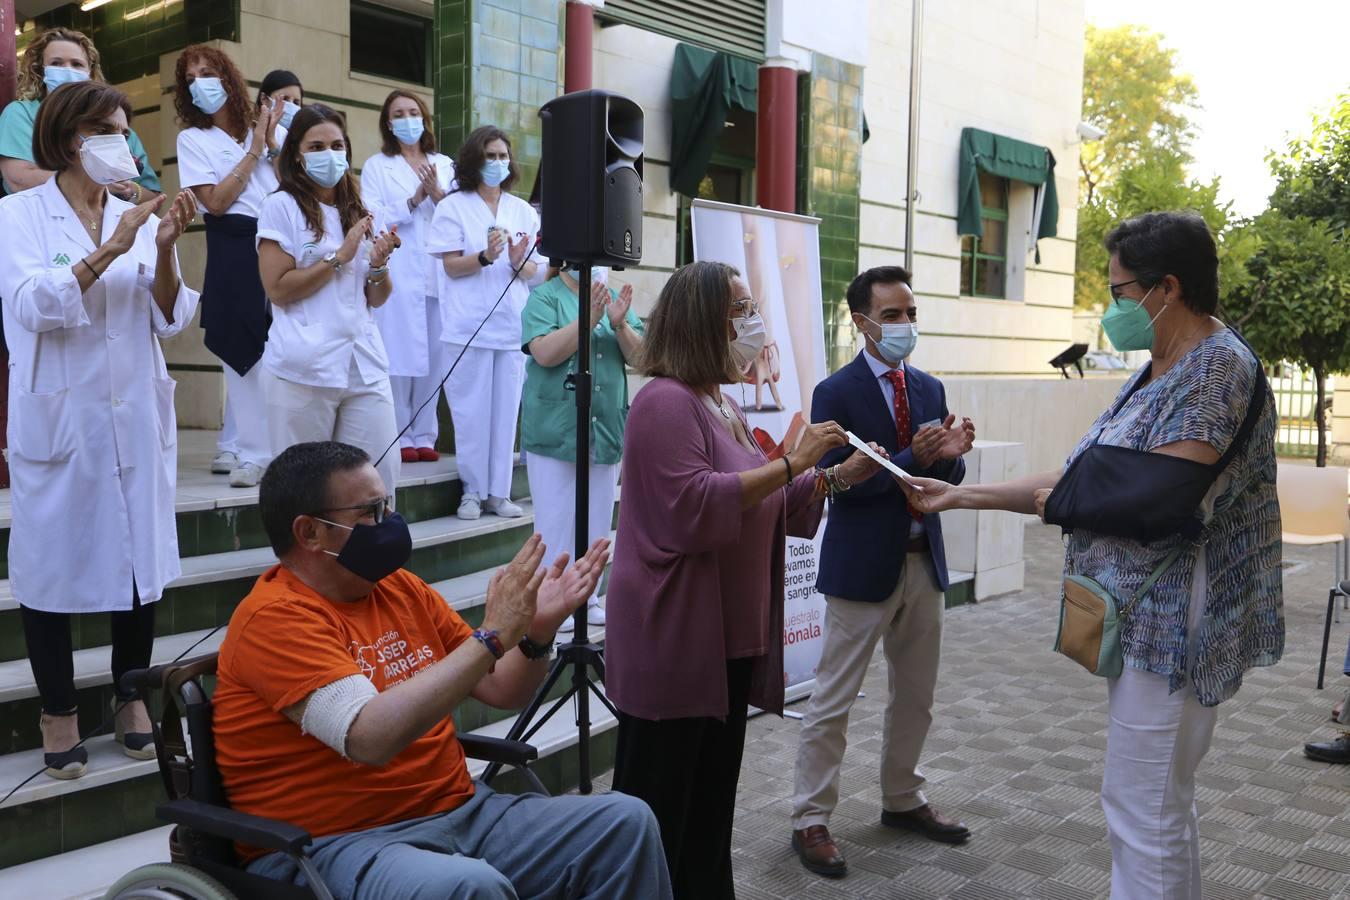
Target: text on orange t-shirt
{"x": 284, "y": 642}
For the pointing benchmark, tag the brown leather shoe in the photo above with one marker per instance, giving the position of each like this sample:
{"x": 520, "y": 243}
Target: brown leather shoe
{"x": 818, "y": 852}
{"x": 928, "y": 822}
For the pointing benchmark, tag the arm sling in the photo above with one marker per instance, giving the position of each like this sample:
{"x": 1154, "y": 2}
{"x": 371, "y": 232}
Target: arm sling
{"x": 1141, "y": 496}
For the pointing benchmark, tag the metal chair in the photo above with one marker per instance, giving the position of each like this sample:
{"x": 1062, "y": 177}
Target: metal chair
{"x": 201, "y": 846}
{"x": 1313, "y": 512}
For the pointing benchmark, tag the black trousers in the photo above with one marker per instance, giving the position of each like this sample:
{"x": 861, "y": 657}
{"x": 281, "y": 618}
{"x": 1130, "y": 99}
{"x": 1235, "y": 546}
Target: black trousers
{"x": 47, "y": 635}
{"x": 686, "y": 770}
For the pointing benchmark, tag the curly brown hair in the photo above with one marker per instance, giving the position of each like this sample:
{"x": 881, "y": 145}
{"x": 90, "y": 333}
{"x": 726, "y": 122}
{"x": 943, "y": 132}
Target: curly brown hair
{"x": 469, "y": 161}
{"x": 294, "y": 180}
{"x": 31, "y": 86}
{"x": 238, "y": 109}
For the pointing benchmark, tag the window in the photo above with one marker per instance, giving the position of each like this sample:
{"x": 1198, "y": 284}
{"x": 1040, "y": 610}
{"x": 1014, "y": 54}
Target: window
{"x": 730, "y": 176}
{"x": 390, "y": 44}
{"x": 984, "y": 261}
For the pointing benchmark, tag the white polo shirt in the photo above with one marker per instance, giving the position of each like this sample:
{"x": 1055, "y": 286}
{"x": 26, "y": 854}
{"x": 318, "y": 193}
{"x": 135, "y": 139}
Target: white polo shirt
{"x": 461, "y": 223}
{"x": 208, "y": 155}
{"x": 313, "y": 341}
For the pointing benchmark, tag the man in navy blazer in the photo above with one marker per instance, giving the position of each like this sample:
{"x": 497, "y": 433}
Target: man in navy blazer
{"x": 883, "y": 571}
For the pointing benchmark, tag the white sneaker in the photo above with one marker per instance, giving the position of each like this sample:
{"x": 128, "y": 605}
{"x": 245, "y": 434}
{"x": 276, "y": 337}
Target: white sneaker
{"x": 502, "y": 507}
{"x": 567, "y": 626}
{"x": 246, "y": 475}
{"x": 226, "y": 461}
{"x": 595, "y": 614}
{"x": 470, "y": 508}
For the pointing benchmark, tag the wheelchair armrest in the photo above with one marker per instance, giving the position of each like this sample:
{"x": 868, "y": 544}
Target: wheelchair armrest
{"x": 498, "y": 750}
{"x": 221, "y": 821}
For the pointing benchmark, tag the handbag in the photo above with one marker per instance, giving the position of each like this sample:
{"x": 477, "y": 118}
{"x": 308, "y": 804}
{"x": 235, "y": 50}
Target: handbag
{"x": 1133, "y": 494}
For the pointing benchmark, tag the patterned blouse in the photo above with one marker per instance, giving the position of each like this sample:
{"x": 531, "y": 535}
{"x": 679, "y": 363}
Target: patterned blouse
{"x": 1203, "y": 397}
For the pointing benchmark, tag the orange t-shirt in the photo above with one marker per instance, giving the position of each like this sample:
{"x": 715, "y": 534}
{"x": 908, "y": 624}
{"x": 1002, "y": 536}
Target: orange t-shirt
{"x": 286, "y": 641}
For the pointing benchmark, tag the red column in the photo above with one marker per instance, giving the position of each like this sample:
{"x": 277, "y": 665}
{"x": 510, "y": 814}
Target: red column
{"x": 8, "y": 84}
{"x": 577, "y": 52}
{"x": 776, "y": 138}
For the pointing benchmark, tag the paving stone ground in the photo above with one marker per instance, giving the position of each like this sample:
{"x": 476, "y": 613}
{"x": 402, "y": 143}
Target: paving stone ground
{"x": 1016, "y": 751}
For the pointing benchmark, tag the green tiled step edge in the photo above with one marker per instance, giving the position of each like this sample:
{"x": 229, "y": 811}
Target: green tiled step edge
{"x": 197, "y": 606}
{"x": 207, "y": 531}
{"x": 84, "y": 818}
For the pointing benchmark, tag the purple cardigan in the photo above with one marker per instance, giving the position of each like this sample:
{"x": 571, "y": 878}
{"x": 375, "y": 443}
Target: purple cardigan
{"x": 690, "y": 568}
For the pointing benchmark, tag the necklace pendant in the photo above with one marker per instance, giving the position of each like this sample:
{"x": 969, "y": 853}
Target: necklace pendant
{"x": 723, "y": 410}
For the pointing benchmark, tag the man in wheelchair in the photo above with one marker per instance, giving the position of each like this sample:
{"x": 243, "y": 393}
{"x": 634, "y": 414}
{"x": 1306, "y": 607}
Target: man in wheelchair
{"x": 336, "y": 684}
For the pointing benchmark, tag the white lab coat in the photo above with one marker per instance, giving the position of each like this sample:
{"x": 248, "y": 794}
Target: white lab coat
{"x": 386, "y": 184}
{"x": 92, "y": 437}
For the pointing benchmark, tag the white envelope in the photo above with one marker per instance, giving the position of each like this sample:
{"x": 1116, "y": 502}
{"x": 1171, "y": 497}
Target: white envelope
{"x": 885, "y": 463}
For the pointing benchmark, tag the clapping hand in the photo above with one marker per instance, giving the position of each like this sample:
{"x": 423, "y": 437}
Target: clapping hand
{"x": 618, "y": 309}
{"x": 179, "y": 217}
{"x": 386, "y": 242}
{"x": 599, "y": 297}
{"x": 513, "y": 594}
{"x": 518, "y": 250}
{"x": 428, "y": 184}
{"x": 567, "y": 588}
{"x": 943, "y": 442}
{"x": 355, "y": 235}
{"x": 496, "y": 244}
{"x": 124, "y": 235}
{"x": 265, "y": 128}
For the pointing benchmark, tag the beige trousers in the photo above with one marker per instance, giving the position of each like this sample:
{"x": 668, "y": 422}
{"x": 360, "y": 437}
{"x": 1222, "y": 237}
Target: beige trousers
{"x": 909, "y": 625}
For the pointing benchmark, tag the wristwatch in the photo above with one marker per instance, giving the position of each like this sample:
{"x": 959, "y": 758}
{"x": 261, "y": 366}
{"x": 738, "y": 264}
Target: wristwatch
{"x": 332, "y": 260}
{"x": 483, "y": 259}
{"x": 533, "y": 650}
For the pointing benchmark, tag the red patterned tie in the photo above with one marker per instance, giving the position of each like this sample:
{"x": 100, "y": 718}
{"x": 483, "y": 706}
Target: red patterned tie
{"x": 902, "y": 435}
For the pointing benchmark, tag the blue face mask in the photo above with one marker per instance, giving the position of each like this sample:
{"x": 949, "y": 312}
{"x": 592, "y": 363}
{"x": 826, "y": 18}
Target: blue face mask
{"x": 495, "y": 171}
{"x": 326, "y": 167}
{"x": 55, "y": 76}
{"x": 1127, "y": 324}
{"x": 288, "y": 111}
{"x": 208, "y": 94}
{"x": 408, "y": 130}
{"x": 897, "y": 340}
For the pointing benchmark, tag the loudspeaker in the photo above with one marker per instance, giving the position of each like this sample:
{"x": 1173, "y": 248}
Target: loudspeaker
{"x": 591, "y": 173}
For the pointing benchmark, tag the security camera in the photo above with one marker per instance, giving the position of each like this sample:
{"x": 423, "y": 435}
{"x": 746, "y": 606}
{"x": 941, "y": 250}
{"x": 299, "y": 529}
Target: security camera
{"x": 1089, "y": 132}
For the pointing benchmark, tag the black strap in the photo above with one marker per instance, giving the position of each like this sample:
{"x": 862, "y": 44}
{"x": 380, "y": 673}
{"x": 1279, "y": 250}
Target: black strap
{"x": 1255, "y": 405}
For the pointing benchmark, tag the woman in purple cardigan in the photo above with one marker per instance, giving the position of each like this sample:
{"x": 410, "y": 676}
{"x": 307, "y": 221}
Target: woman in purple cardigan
{"x": 695, "y": 630}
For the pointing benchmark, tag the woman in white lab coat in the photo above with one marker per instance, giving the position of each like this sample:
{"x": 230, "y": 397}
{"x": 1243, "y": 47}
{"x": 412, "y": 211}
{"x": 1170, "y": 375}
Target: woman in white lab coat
{"x": 401, "y": 185}
{"x": 482, "y": 235}
{"x": 225, "y": 155}
{"x": 89, "y": 284}
{"x": 326, "y": 375}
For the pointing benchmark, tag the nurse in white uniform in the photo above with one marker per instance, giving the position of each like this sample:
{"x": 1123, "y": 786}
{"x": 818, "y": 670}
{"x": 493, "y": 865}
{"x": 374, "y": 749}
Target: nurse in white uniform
{"x": 326, "y": 376}
{"x": 482, "y": 235}
{"x": 90, "y": 284}
{"x": 401, "y": 185}
{"x": 225, "y": 156}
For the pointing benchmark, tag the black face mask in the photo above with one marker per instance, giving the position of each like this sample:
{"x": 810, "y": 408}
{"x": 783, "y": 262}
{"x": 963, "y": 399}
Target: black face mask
{"x": 374, "y": 552}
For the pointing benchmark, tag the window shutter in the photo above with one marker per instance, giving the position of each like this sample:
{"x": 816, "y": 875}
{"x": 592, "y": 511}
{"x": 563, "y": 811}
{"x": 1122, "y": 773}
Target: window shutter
{"x": 734, "y": 26}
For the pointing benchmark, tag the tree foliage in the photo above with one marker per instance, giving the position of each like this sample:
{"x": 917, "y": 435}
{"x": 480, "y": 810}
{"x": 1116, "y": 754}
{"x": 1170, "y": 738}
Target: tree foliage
{"x": 1133, "y": 92}
{"x": 1293, "y": 302}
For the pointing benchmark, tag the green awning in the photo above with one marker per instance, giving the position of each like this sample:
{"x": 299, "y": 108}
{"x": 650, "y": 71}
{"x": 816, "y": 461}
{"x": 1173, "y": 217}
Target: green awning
{"x": 984, "y": 151}
{"x": 704, "y": 86}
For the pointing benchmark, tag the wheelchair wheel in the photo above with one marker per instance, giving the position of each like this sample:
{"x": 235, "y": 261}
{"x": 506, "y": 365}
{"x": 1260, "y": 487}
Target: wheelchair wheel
{"x": 167, "y": 881}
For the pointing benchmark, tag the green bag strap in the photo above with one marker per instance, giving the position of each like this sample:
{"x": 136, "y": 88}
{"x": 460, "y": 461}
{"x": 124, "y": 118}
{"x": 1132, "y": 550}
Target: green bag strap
{"x": 1162, "y": 568}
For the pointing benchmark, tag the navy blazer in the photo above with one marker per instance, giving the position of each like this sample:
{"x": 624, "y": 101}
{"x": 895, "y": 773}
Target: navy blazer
{"x": 863, "y": 551}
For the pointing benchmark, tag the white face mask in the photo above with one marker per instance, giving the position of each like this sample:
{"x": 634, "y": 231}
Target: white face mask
{"x": 749, "y": 340}
{"x": 107, "y": 159}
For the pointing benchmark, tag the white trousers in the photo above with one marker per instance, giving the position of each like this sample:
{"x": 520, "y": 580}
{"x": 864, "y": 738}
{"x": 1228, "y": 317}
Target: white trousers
{"x": 553, "y": 484}
{"x": 412, "y": 391}
{"x": 359, "y": 414}
{"x": 1154, "y": 745}
{"x": 909, "y": 625}
{"x": 484, "y": 396}
{"x": 244, "y": 431}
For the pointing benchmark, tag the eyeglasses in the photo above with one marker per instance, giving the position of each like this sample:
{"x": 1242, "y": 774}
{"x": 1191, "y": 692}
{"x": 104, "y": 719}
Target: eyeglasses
{"x": 376, "y": 509}
{"x": 1115, "y": 288}
{"x": 744, "y": 308}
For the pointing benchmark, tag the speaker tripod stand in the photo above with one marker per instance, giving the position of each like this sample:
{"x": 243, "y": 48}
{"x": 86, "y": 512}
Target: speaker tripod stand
{"x": 579, "y": 656}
